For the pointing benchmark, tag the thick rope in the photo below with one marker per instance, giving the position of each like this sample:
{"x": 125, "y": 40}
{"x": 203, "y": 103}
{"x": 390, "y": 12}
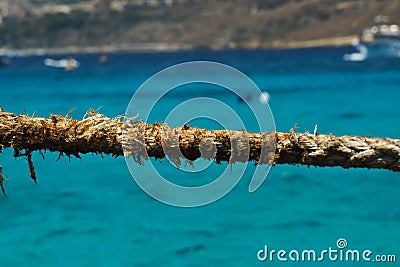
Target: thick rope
{"x": 114, "y": 136}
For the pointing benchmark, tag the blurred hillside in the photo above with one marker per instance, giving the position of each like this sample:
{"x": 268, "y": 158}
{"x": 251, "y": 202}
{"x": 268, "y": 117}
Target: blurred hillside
{"x": 186, "y": 23}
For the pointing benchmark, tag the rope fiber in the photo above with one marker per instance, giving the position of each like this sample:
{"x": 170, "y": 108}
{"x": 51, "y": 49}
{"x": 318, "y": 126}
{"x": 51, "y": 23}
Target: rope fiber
{"x": 120, "y": 136}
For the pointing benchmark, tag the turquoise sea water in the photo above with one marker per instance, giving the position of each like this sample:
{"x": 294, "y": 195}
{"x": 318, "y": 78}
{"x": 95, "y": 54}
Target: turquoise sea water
{"x": 90, "y": 212}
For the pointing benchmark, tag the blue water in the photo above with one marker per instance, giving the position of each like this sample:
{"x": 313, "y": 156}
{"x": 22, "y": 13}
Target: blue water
{"x": 90, "y": 212}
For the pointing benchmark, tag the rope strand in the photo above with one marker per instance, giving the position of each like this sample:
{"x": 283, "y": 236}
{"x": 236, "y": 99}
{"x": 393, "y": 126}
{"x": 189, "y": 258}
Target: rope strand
{"x": 101, "y": 135}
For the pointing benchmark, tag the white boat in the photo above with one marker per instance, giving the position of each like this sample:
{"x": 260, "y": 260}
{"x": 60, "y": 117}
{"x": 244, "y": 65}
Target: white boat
{"x": 66, "y": 63}
{"x": 379, "y": 41}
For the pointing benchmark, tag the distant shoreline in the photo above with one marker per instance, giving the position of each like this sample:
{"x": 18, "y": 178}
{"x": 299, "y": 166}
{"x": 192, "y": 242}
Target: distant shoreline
{"x": 172, "y": 47}
{"x": 334, "y": 41}
{"x": 143, "y": 47}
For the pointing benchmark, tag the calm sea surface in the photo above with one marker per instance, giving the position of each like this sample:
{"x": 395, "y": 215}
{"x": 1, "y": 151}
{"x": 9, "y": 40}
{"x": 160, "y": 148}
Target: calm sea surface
{"x": 90, "y": 212}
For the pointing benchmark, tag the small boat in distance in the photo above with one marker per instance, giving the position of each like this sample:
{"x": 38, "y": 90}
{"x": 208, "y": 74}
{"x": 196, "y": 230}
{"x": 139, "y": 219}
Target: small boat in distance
{"x": 103, "y": 59}
{"x": 3, "y": 61}
{"x": 67, "y": 64}
{"x": 379, "y": 41}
